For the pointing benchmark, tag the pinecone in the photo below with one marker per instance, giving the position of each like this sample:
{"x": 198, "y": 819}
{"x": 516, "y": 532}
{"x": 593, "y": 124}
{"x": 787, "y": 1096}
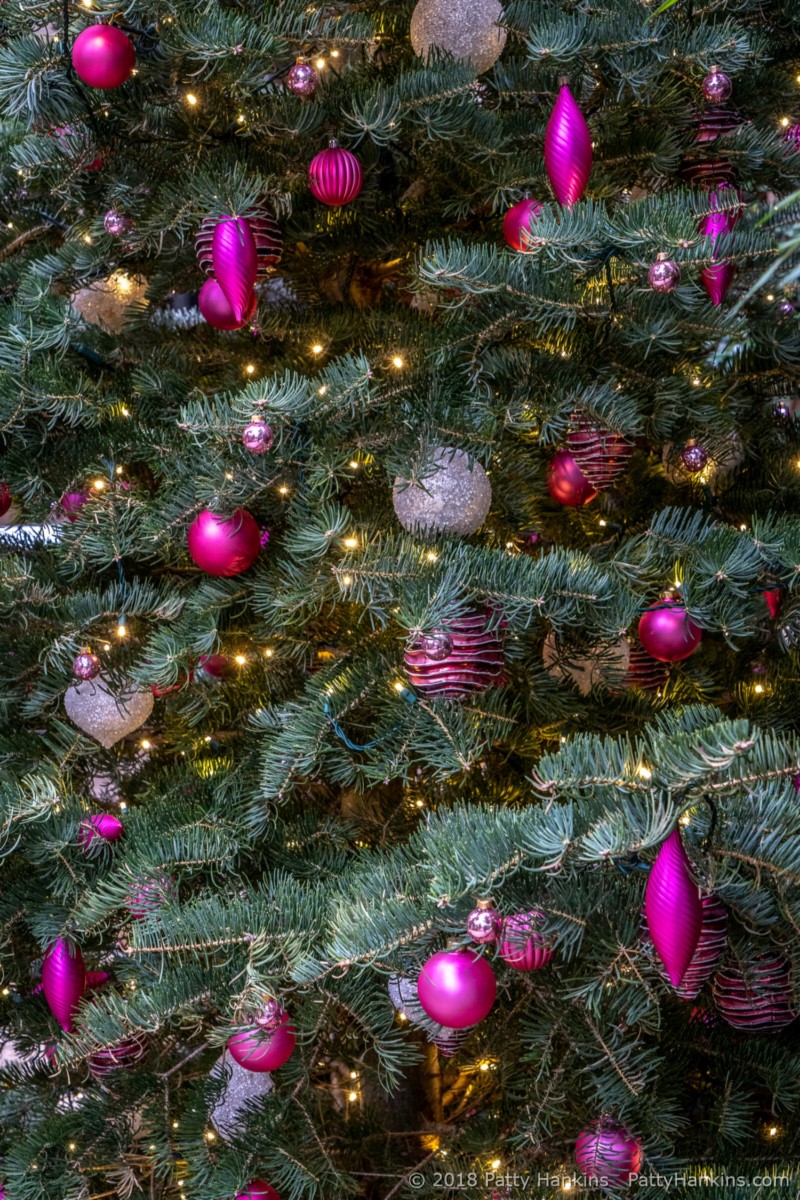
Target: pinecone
{"x": 755, "y": 996}
{"x": 601, "y": 455}
{"x": 474, "y": 662}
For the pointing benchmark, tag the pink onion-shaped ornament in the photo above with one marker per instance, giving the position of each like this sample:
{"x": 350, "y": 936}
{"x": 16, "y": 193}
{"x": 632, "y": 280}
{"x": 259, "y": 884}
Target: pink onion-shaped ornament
{"x": 663, "y": 275}
{"x": 517, "y": 225}
{"x": 5, "y": 499}
{"x": 258, "y": 1049}
{"x": 567, "y": 148}
{"x": 673, "y": 908}
{"x": 266, "y": 235}
{"x": 257, "y": 436}
{"x": 457, "y": 988}
{"x": 214, "y": 306}
{"x": 667, "y": 632}
{"x": 122, "y": 1057}
{"x": 755, "y": 996}
{"x": 475, "y": 660}
{"x": 86, "y": 665}
{"x": 522, "y": 946}
{"x": 567, "y": 483}
{"x": 105, "y": 826}
{"x": 63, "y": 982}
{"x": 335, "y": 176}
{"x": 257, "y": 1189}
{"x": 709, "y": 950}
{"x": 235, "y": 260}
{"x": 483, "y": 923}
{"x": 607, "y": 1152}
{"x": 302, "y": 79}
{"x": 103, "y": 56}
{"x": 224, "y": 545}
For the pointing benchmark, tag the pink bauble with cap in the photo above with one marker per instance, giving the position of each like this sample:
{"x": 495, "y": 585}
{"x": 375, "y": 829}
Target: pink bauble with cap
{"x": 257, "y": 1049}
{"x": 335, "y": 176}
{"x": 224, "y": 546}
{"x": 256, "y": 1189}
{"x": 457, "y": 988}
{"x": 667, "y": 632}
{"x": 567, "y": 483}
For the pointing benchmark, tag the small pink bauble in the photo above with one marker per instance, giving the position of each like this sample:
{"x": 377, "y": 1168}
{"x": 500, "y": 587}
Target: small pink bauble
{"x": 667, "y": 632}
{"x": 457, "y": 988}
{"x": 717, "y": 86}
{"x": 272, "y": 1015}
{"x": 522, "y": 947}
{"x": 122, "y": 1057}
{"x": 216, "y": 665}
{"x": 437, "y": 645}
{"x": 517, "y": 225}
{"x": 260, "y": 1050}
{"x": 608, "y": 1153}
{"x": 664, "y": 275}
{"x": 257, "y": 436}
{"x": 116, "y": 223}
{"x": 255, "y": 1190}
{"x": 694, "y": 458}
{"x": 5, "y": 499}
{"x": 335, "y": 176}
{"x": 63, "y": 982}
{"x": 100, "y": 825}
{"x": 224, "y": 545}
{"x": 567, "y": 483}
{"x": 214, "y": 306}
{"x": 483, "y": 925}
{"x": 103, "y": 56}
{"x": 792, "y": 135}
{"x": 86, "y": 665}
{"x": 302, "y": 79}
{"x": 71, "y": 504}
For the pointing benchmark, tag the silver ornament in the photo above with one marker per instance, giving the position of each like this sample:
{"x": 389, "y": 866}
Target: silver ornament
{"x": 452, "y": 495}
{"x": 405, "y": 999}
{"x": 106, "y": 713}
{"x": 470, "y": 30}
{"x": 242, "y": 1088}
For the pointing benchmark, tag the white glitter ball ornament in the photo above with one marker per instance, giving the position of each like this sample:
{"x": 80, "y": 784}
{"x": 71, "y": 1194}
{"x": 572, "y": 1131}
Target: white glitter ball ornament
{"x": 452, "y": 495}
{"x": 107, "y": 712}
{"x": 470, "y": 30}
{"x": 242, "y": 1089}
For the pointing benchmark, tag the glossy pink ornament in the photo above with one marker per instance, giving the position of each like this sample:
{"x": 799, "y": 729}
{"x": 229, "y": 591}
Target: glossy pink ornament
{"x": 457, "y": 988}
{"x": 122, "y": 1057}
{"x": 608, "y": 1153}
{"x": 673, "y": 908}
{"x": 100, "y": 825}
{"x": 567, "y": 149}
{"x": 517, "y": 225}
{"x": 522, "y": 946}
{"x": 709, "y": 950}
{"x": 224, "y": 545}
{"x": 5, "y": 499}
{"x": 257, "y": 1049}
{"x": 86, "y": 665}
{"x": 567, "y": 483}
{"x": 663, "y": 275}
{"x": 116, "y": 223}
{"x": 755, "y": 996}
{"x": 266, "y": 235}
{"x": 716, "y": 224}
{"x": 792, "y": 136}
{"x": 717, "y": 86}
{"x": 71, "y": 504}
{"x": 63, "y": 982}
{"x": 302, "y": 79}
{"x": 213, "y": 304}
{"x": 335, "y": 176}
{"x": 235, "y": 260}
{"x": 474, "y": 663}
{"x": 103, "y": 56}
{"x": 257, "y": 1189}
{"x": 483, "y": 924}
{"x": 257, "y": 436}
{"x": 667, "y": 632}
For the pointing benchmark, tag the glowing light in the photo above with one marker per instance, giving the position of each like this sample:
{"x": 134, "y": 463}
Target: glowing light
{"x": 484, "y": 1066}
{"x": 495, "y": 1163}
{"x": 351, "y": 543}
{"x": 123, "y": 805}
{"x": 602, "y": 522}
{"x": 122, "y": 629}
{"x": 354, "y": 1074}
{"x": 401, "y": 1016}
{"x": 118, "y": 470}
{"x": 320, "y": 64}
{"x": 283, "y": 490}
{"x": 334, "y": 53}
{"x": 352, "y": 1096}
{"x": 175, "y": 1124}
{"x": 431, "y": 556}
{"x": 122, "y": 283}
{"x": 770, "y": 296}
{"x": 190, "y": 99}
{"x": 241, "y": 118}
{"x": 354, "y": 464}
{"x": 268, "y": 653}
{"x": 239, "y": 659}
{"x": 322, "y": 390}
{"x": 229, "y": 474}
{"x": 250, "y": 369}
{"x": 743, "y": 528}
{"x": 317, "y": 348}
{"x": 126, "y": 412}
{"x": 99, "y": 484}
{"x": 758, "y": 689}
{"x": 145, "y": 744}
{"x": 645, "y": 772}
{"x": 772, "y": 1131}
{"x": 398, "y": 362}
{"x": 566, "y": 1185}
{"x": 72, "y": 1146}
{"x": 785, "y": 121}
{"x": 210, "y": 1136}
{"x": 696, "y": 381}
{"x": 685, "y": 819}
{"x": 347, "y": 580}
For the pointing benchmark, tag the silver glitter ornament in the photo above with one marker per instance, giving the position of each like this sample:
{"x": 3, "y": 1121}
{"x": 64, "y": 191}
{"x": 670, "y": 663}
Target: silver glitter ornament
{"x": 470, "y": 30}
{"x": 107, "y": 713}
{"x": 242, "y": 1089}
{"x": 405, "y": 999}
{"x": 452, "y": 495}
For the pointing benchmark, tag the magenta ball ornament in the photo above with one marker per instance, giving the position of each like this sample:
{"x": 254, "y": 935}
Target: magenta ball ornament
{"x": 673, "y": 908}
{"x": 257, "y": 1049}
{"x": 667, "y": 632}
{"x": 609, "y": 1153}
{"x": 86, "y": 665}
{"x": 663, "y": 275}
{"x": 302, "y": 79}
{"x": 216, "y": 665}
{"x": 100, "y": 825}
{"x": 234, "y": 258}
{"x": 567, "y": 149}
{"x": 694, "y": 458}
{"x": 483, "y": 925}
{"x": 103, "y": 56}
{"x": 224, "y": 545}
{"x": 457, "y": 988}
{"x": 522, "y": 947}
{"x": 755, "y": 995}
{"x": 717, "y": 86}
{"x": 257, "y": 1189}
{"x": 215, "y": 308}
{"x": 567, "y": 483}
{"x": 116, "y": 223}
{"x": 517, "y": 225}
{"x": 257, "y": 436}
{"x": 335, "y": 176}
{"x": 63, "y": 982}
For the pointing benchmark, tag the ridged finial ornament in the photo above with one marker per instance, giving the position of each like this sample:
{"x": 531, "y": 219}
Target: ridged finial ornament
{"x": 673, "y": 908}
{"x": 235, "y": 260}
{"x": 567, "y": 483}
{"x": 63, "y": 982}
{"x": 469, "y": 30}
{"x": 755, "y": 996}
{"x": 567, "y": 148}
{"x": 216, "y": 309}
{"x": 522, "y": 946}
{"x": 474, "y": 663}
{"x": 602, "y": 455}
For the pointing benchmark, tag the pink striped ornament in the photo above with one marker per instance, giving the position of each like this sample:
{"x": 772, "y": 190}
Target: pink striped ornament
{"x": 466, "y": 657}
{"x": 755, "y": 996}
{"x": 710, "y": 948}
{"x": 567, "y": 148}
{"x": 63, "y": 982}
{"x": 235, "y": 260}
{"x": 673, "y": 908}
{"x": 335, "y": 176}
{"x": 522, "y": 946}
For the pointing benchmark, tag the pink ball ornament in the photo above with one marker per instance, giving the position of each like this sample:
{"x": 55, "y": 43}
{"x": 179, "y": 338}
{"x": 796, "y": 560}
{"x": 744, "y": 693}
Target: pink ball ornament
{"x": 216, "y": 665}
{"x": 717, "y": 86}
{"x": 608, "y": 1153}
{"x": 663, "y": 275}
{"x": 5, "y": 499}
{"x": 335, "y": 176}
{"x": 100, "y": 825}
{"x": 483, "y": 924}
{"x": 302, "y": 79}
{"x": 256, "y": 1189}
{"x": 257, "y": 436}
{"x": 63, "y": 982}
{"x": 792, "y": 136}
{"x": 567, "y": 149}
{"x": 224, "y": 545}
{"x": 257, "y": 1049}
{"x": 71, "y": 504}
{"x": 86, "y": 665}
{"x": 457, "y": 988}
{"x": 522, "y": 946}
{"x": 103, "y": 56}
{"x": 213, "y": 304}
{"x": 667, "y": 632}
{"x": 116, "y": 223}
{"x": 694, "y": 457}
{"x": 567, "y": 483}
{"x": 517, "y": 225}
{"x": 235, "y": 261}
{"x": 673, "y": 908}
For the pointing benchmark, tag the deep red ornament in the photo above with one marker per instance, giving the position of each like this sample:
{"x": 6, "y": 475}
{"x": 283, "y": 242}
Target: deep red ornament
{"x": 257, "y": 1049}
{"x": 103, "y": 56}
{"x": 663, "y": 275}
{"x": 86, "y": 665}
{"x": 224, "y": 545}
{"x": 257, "y": 436}
{"x": 474, "y": 663}
{"x": 773, "y": 598}
{"x": 63, "y": 982}
{"x": 214, "y": 306}
{"x": 517, "y": 225}
{"x": 608, "y": 1153}
{"x": 5, "y": 499}
{"x": 100, "y": 825}
{"x": 673, "y": 908}
{"x": 644, "y": 672}
{"x": 483, "y": 923}
{"x": 717, "y": 86}
{"x": 122, "y": 1057}
{"x": 601, "y": 455}
{"x": 302, "y": 79}
{"x": 266, "y": 235}
{"x": 755, "y": 996}
{"x": 335, "y": 176}
{"x": 567, "y": 483}
{"x": 567, "y": 148}
{"x": 216, "y": 665}
{"x": 709, "y": 950}
{"x": 256, "y": 1189}
{"x": 522, "y": 946}
{"x": 457, "y": 988}
{"x": 667, "y": 632}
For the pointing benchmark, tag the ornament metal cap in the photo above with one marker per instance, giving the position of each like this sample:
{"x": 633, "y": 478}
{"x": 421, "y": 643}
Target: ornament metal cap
{"x": 563, "y": 81}
{"x": 487, "y": 903}
{"x": 333, "y": 143}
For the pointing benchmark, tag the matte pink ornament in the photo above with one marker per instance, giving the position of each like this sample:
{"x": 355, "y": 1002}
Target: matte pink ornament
{"x": 755, "y": 996}
{"x": 567, "y": 483}
{"x": 103, "y": 56}
{"x": 100, "y": 825}
{"x": 235, "y": 260}
{"x": 710, "y": 947}
{"x": 522, "y": 946}
{"x": 213, "y": 304}
{"x": 457, "y": 988}
{"x": 224, "y": 545}
{"x": 567, "y": 149}
{"x": 63, "y": 982}
{"x": 335, "y": 176}
{"x": 256, "y": 1189}
{"x": 608, "y": 1153}
{"x": 673, "y": 908}
{"x": 517, "y": 225}
{"x": 258, "y": 1049}
{"x": 667, "y": 632}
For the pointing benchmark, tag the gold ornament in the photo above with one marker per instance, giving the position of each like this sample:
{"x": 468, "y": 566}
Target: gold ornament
{"x": 106, "y": 302}
{"x": 470, "y": 30}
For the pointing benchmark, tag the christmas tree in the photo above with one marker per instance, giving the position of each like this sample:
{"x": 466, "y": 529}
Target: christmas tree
{"x": 400, "y": 621}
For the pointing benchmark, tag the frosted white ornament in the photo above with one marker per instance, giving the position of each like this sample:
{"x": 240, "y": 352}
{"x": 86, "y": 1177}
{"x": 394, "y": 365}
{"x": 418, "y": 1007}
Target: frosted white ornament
{"x": 242, "y": 1088}
{"x": 470, "y": 30}
{"x": 451, "y": 495}
{"x": 106, "y": 713}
